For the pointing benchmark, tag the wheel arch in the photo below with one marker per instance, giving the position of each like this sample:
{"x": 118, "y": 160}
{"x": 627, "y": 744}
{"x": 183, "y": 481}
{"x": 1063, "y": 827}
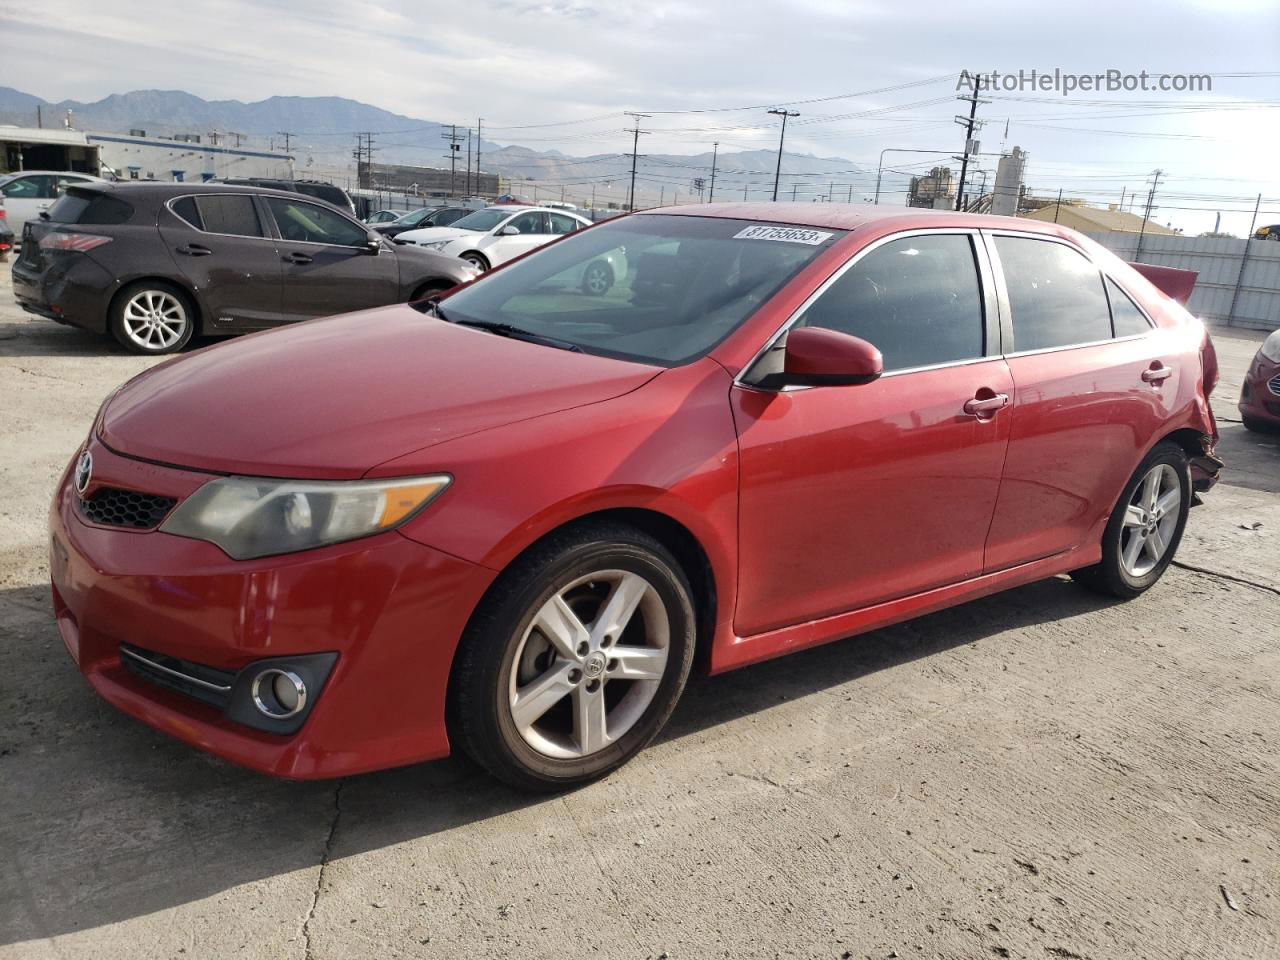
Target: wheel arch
{"x": 477, "y": 253}
{"x": 185, "y": 288}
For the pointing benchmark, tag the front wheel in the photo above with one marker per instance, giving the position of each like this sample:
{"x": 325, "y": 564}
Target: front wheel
{"x": 575, "y": 659}
{"x": 1145, "y": 527}
{"x": 477, "y": 261}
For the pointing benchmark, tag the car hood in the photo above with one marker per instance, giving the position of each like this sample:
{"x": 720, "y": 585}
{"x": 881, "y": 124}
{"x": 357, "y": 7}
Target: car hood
{"x": 330, "y": 399}
{"x": 435, "y": 234}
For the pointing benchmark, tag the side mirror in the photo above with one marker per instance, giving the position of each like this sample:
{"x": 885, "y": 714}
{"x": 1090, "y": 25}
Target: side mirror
{"x": 817, "y": 357}
{"x": 373, "y": 245}
{"x": 508, "y": 231}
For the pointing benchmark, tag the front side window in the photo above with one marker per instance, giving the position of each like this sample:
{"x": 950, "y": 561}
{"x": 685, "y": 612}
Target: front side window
{"x": 657, "y": 289}
{"x": 528, "y": 223}
{"x": 29, "y": 188}
{"x": 1055, "y": 294}
{"x": 1126, "y": 318}
{"x": 304, "y": 222}
{"x": 917, "y": 299}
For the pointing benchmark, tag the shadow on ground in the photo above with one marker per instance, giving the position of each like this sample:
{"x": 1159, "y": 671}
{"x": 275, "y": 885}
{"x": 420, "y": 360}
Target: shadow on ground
{"x": 102, "y": 820}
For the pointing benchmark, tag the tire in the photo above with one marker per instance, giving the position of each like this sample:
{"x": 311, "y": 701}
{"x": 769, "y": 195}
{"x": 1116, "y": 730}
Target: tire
{"x": 505, "y": 657}
{"x": 597, "y": 279}
{"x": 1137, "y": 547}
{"x": 477, "y": 259}
{"x": 152, "y": 317}
{"x": 428, "y": 288}
{"x": 1256, "y": 425}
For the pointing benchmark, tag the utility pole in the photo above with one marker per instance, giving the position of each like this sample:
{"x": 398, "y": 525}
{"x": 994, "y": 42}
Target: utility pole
{"x": 744, "y": 190}
{"x": 715, "y": 150}
{"x": 777, "y": 173}
{"x": 849, "y": 199}
{"x": 1151, "y": 196}
{"x": 479, "y": 135}
{"x": 1244, "y": 261}
{"x": 1057, "y": 207}
{"x": 970, "y": 145}
{"x": 1121, "y": 207}
{"x": 469, "y": 161}
{"x": 635, "y": 148}
{"x": 287, "y": 137}
{"x": 455, "y": 147}
{"x": 794, "y": 187}
{"x": 39, "y": 117}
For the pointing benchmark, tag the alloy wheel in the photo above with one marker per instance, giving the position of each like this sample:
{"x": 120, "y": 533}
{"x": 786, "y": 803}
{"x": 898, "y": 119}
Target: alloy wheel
{"x": 589, "y": 664}
{"x": 597, "y": 281}
{"x": 1150, "y": 520}
{"x": 154, "y": 319}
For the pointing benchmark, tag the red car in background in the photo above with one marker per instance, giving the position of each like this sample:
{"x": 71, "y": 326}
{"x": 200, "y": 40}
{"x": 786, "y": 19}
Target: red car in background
{"x": 507, "y": 519}
{"x": 1260, "y": 394}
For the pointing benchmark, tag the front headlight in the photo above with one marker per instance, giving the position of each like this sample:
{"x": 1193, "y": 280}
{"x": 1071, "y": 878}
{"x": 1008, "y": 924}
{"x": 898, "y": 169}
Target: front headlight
{"x": 437, "y": 245}
{"x": 1271, "y": 347}
{"x": 251, "y": 517}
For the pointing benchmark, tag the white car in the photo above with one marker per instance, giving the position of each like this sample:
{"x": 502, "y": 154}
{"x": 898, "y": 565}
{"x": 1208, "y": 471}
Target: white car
{"x": 30, "y": 192}
{"x": 495, "y": 235}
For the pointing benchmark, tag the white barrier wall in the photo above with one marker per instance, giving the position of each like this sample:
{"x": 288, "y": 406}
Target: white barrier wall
{"x": 1226, "y": 293}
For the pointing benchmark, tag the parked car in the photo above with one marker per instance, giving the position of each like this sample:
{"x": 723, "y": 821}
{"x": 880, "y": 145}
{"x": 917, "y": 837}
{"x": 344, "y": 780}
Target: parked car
{"x": 319, "y": 189}
{"x": 494, "y": 235}
{"x": 504, "y": 520}
{"x": 155, "y": 263}
{"x": 383, "y": 216}
{"x": 1260, "y": 393}
{"x": 31, "y": 192}
{"x": 1271, "y": 232}
{"x": 6, "y": 234}
{"x": 423, "y": 217}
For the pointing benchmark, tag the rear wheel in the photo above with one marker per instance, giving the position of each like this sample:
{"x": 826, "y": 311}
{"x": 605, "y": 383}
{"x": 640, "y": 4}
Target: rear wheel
{"x": 1145, "y": 527}
{"x": 597, "y": 279}
{"x": 575, "y": 659}
{"x": 152, "y": 317}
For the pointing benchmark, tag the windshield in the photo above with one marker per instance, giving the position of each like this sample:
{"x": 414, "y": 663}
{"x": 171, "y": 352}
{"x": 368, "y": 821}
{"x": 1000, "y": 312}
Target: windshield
{"x": 414, "y": 217}
{"x": 482, "y": 220}
{"x": 658, "y": 289}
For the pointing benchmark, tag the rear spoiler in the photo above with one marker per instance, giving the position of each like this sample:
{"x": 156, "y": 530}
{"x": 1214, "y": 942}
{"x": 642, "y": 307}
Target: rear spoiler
{"x": 1178, "y": 284}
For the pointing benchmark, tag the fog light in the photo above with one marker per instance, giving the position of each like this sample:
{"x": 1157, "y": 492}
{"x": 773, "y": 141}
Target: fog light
{"x": 279, "y": 694}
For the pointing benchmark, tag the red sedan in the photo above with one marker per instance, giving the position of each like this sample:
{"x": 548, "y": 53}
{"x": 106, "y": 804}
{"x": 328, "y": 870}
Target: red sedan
{"x": 1260, "y": 393}
{"x": 508, "y": 519}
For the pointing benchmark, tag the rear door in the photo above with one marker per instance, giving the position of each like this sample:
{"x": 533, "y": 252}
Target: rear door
{"x": 1084, "y": 412}
{"x": 219, "y": 243}
{"x": 328, "y": 266}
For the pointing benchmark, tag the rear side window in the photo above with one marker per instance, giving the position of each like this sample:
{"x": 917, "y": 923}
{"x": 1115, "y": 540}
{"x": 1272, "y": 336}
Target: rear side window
{"x": 233, "y": 213}
{"x": 1127, "y": 319}
{"x": 562, "y": 224}
{"x": 1055, "y": 294}
{"x": 90, "y": 208}
{"x": 917, "y": 299}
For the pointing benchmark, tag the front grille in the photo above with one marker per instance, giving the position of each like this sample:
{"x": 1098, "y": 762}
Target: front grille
{"x": 200, "y": 682}
{"x": 1274, "y": 385}
{"x": 114, "y": 507}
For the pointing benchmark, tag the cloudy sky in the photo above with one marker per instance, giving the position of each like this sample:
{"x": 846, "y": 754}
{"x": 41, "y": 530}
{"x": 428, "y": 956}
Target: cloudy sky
{"x": 559, "y": 74}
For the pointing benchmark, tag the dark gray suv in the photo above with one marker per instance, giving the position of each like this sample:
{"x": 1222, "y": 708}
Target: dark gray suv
{"x": 155, "y": 263}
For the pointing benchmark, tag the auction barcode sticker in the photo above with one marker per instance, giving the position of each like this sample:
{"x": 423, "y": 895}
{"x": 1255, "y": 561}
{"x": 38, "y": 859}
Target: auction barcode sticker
{"x": 785, "y": 234}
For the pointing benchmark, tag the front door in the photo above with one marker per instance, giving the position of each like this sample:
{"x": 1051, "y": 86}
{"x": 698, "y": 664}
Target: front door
{"x": 851, "y": 496}
{"x": 218, "y": 243}
{"x": 328, "y": 266}
{"x": 534, "y": 232}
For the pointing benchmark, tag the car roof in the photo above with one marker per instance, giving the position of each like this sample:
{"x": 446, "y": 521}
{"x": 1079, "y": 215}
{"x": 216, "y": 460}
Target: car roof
{"x": 164, "y": 189}
{"x": 53, "y": 173}
{"x": 851, "y": 216}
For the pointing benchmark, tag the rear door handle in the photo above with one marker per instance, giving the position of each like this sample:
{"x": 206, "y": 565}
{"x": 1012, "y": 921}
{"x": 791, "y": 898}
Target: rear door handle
{"x": 194, "y": 250}
{"x": 1156, "y": 373}
{"x": 297, "y": 258}
{"x": 986, "y": 405}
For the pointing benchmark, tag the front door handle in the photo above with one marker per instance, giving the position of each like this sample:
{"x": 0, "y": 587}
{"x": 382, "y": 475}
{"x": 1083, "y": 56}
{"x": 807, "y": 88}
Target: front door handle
{"x": 982, "y": 407}
{"x": 194, "y": 250}
{"x": 1156, "y": 373}
{"x": 297, "y": 258}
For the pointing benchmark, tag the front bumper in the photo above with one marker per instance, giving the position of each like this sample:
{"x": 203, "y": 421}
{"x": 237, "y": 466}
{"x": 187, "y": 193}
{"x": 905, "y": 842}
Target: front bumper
{"x": 1257, "y": 399}
{"x": 391, "y": 610}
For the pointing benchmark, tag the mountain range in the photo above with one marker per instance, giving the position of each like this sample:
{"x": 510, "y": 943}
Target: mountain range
{"x": 322, "y": 130}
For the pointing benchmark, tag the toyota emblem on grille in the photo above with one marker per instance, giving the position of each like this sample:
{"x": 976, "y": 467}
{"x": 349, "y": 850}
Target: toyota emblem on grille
{"x": 84, "y": 470}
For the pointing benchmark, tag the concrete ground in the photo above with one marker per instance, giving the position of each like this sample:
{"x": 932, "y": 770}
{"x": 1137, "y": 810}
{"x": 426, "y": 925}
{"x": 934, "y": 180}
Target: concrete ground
{"x": 1043, "y": 774}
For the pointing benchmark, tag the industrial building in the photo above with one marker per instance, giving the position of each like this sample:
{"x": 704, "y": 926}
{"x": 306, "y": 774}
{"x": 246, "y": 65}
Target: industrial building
{"x": 136, "y": 156}
{"x": 429, "y": 181}
{"x": 1096, "y": 219}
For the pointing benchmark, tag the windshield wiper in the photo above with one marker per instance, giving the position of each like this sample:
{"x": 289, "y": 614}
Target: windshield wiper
{"x": 514, "y": 332}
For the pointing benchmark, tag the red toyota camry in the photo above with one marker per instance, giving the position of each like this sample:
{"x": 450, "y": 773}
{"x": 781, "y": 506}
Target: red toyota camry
{"x": 508, "y": 519}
